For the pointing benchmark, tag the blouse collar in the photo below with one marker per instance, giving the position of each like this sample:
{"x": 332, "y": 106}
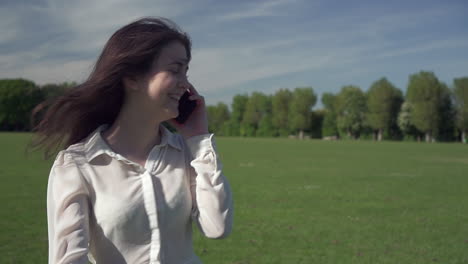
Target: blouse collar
{"x": 95, "y": 145}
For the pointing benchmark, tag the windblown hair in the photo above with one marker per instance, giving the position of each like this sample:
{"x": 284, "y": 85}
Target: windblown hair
{"x": 128, "y": 53}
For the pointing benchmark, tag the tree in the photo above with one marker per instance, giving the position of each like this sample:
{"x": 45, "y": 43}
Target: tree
{"x": 404, "y": 121}
{"x": 303, "y": 100}
{"x": 351, "y": 110}
{"x": 446, "y": 129}
{"x": 329, "y": 126}
{"x": 257, "y": 107}
{"x": 316, "y": 123}
{"x": 281, "y": 102}
{"x": 383, "y": 103}
{"x": 424, "y": 93}
{"x": 461, "y": 104}
{"x": 233, "y": 126}
{"x": 265, "y": 127}
{"x": 17, "y": 98}
{"x": 217, "y": 117}
{"x": 52, "y": 90}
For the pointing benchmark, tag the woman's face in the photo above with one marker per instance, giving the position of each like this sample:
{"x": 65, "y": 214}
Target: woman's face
{"x": 166, "y": 81}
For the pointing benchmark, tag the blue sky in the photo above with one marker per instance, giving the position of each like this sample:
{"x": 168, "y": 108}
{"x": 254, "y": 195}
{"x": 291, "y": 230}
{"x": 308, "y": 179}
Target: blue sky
{"x": 246, "y": 46}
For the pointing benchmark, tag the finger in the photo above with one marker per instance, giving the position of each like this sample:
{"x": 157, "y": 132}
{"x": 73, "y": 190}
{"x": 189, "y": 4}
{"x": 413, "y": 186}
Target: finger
{"x": 196, "y": 97}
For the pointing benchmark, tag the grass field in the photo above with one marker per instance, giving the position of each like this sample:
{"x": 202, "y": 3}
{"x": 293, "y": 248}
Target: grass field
{"x": 295, "y": 202}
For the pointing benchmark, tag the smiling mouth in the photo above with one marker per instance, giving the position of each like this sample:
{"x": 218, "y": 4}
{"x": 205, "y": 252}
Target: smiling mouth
{"x": 174, "y": 97}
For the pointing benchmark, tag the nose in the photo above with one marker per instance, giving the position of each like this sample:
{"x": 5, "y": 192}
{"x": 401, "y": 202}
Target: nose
{"x": 184, "y": 83}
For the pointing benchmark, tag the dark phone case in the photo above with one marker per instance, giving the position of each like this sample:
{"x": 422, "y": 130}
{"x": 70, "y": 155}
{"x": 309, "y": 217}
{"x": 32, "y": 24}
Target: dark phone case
{"x": 186, "y": 107}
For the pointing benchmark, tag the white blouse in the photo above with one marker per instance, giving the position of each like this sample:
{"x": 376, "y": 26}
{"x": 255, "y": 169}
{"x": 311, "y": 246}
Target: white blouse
{"x": 103, "y": 206}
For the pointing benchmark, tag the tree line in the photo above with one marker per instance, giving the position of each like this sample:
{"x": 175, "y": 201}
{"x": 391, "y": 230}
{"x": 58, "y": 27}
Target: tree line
{"x": 429, "y": 110}
{"x": 19, "y": 96}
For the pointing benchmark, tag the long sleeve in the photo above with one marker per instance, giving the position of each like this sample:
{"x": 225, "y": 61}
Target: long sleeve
{"x": 67, "y": 214}
{"x": 211, "y": 193}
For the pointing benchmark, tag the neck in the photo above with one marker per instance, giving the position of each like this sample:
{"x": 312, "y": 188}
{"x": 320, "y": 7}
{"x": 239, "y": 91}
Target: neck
{"x": 133, "y": 134}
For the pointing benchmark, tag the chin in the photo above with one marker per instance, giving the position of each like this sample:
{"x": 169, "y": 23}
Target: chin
{"x": 171, "y": 114}
{"x": 175, "y": 114}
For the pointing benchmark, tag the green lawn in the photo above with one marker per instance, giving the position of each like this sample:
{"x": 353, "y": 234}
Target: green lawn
{"x": 295, "y": 202}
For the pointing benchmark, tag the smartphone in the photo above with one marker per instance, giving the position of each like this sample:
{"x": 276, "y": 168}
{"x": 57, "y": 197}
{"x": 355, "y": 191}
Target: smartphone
{"x": 186, "y": 107}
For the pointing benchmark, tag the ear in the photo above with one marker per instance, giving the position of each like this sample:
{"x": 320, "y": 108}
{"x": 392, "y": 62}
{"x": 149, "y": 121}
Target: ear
{"x": 130, "y": 83}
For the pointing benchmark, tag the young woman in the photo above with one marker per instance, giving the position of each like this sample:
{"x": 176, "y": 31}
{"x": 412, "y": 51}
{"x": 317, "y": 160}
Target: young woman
{"x": 125, "y": 189}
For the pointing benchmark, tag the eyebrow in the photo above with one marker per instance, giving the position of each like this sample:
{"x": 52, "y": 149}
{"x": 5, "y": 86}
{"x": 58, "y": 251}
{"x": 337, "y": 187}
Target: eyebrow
{"x": 180, "y": 62}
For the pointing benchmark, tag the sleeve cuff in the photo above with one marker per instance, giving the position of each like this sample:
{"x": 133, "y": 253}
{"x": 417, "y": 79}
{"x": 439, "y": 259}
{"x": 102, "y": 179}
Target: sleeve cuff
{"x": 201, "y": 144}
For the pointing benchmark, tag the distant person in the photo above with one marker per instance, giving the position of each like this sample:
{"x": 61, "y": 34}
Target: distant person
{"x": 125, "y": 189}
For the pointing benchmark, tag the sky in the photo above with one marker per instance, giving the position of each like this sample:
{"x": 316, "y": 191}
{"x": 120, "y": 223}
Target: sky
{"x": 244, "y": 46}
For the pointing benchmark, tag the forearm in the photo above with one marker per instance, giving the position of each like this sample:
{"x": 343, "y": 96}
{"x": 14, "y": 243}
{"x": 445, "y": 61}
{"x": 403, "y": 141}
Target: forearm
{"x": 211, "y": 191}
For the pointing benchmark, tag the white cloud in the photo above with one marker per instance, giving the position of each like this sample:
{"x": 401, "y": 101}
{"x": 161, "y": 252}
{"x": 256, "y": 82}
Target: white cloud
{"x": 85, "y": 26}
{"x": 256, "y": 9}
{"x": 425, "y": 47}
{"x": 75, "y": 32}
{"x": 349, "y": 42}
{"x": 91, "y": 23}
{"x": 51, "y": 71}
{"x": 222, "y": 68}
{"x": 8, "y": 26}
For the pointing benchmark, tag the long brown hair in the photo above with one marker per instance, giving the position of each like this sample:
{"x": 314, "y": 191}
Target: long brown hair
{"x": 128, "y": 53}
